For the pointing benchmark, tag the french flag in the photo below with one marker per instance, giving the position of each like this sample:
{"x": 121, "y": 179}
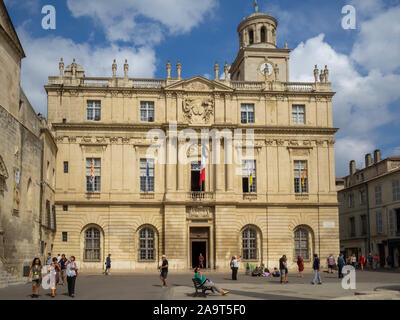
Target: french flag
{"x": 203, "y": 166}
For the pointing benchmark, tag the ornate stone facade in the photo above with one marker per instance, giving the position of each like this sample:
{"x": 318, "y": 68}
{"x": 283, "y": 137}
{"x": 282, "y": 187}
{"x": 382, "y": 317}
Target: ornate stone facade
{"x": 260, "y": 220}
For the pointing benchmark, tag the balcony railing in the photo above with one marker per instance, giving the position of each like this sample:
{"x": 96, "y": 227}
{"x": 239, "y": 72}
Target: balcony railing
{"x": 247, "y": 85}
{"x": 148, "y": 83}
{"x": 299, "y": 86}
{"x": 200, "y": 196}
{"x": 250, "y": 196}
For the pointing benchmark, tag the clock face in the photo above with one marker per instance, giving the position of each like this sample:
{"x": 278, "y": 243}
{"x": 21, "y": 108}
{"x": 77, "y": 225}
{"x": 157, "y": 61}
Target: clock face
{"x": 266, "y": 67}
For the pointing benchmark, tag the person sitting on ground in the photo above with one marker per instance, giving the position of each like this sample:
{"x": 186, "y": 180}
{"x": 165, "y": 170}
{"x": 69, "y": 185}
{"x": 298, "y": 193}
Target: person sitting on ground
{"x": 266, "y": 273}
{"x": 206, "y": 282}
{"x": 276, "y": 273}
{"x": 258, "y": 271}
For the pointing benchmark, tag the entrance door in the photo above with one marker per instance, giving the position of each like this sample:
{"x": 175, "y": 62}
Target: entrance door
{"x": 197, "y": 248}
{"x": 382, "y": 256}
{"x": 199, "y": 237}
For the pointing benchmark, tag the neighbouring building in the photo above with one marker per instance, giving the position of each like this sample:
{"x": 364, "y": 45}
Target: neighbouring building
{"x": 26, "y": 230}
{"x": 111, "y": 197}
{"x": 369, "y": 209}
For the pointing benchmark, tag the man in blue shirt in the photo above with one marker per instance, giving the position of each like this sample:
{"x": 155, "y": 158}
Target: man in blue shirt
{"x": 316, "y": 267}
{"x": 340, "y": 262}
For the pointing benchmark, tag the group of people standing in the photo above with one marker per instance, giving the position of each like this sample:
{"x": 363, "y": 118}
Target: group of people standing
{"x": 59, "y": 270}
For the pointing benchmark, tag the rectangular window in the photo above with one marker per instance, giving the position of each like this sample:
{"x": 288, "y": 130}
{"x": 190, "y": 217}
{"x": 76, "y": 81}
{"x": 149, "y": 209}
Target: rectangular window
{"x": 65, "y": 207}
{"x": 362, "y": 197}
{"x": 379, "y": 222}
{"x": 247, "y": 113}
{"x": 378, "y": 194}
{"x": 93, "y": 110}
{"x": 65, "y": 236}
{"x": 93, "y": 174}
{"x": 350, "y": 202}
{"x": 396, "y": 190}
{"x": 146, "y": 175}
{"x": 298, "y": 114}
{"x": 352, "y": 227}
{"x": 147, "y": 111}
{"x": 363, "y": 225}
{"x": 195, "y": 168}
{"x": 300, "y": 176}
{"x": 65, "y": 166}
{"x": 249, "y": 176}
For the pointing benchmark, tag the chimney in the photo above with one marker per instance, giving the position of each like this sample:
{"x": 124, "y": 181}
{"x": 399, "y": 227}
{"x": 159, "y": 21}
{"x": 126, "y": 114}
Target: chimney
{"x": 368, "y": 160}
{"x": 377, "y": 156}
{"x": 352, "y": 167}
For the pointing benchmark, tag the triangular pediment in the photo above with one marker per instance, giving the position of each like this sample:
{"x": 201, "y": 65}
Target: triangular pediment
{"x": 3, "y": 169}
{"x": 7, "y": 28}
{"x": 198, "y": 83}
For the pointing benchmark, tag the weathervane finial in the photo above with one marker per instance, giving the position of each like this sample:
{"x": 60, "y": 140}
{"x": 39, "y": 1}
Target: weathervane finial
{"x": 255, "y": 6}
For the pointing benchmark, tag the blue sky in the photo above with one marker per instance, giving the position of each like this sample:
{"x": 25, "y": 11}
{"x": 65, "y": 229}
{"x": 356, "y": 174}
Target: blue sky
{"x": 364, "y": 63}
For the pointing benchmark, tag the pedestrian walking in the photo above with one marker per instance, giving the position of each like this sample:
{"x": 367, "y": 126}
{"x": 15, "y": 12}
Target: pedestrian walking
{"x": 300, "y": 265}
{"x": 375, "y": 261}
{"x": 58, "y": 258}
{"x": 72, "y": 273}
{"x": 63, "y": 266}
{"x": 164, "y": 271}
{"x": 331, "y": 263}
{"x": 54, "y": 273}
{"x": 362, "y": 262}
{"x": 341, "y": 263}
{"x": 283, "y": 269}
{"x": 48, "y": 259}
{"x": 316, "y": 268}
{"x": 201, "y": 260}
{"x": 108, "y": 265}
{"x": 235, "y": 267}
{"x": 35, "y": 275}
{"x": 353, "y": 260}
{"x": 370, "y": 260}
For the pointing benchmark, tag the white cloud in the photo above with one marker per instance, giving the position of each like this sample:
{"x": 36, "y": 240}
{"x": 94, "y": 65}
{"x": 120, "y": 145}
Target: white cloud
{"x": 347, "y": 149}
{"x": 361, "y": 104}
{"x": 378, "y": 44}
{"x": 119, "y": 18}
{"x": 43, "y": 55}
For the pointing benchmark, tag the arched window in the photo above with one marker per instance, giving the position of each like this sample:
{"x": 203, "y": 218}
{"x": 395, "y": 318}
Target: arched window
{"x": 301, "y": 246}
{"x": 263, "y": 34}
{"x": 249, "y": 243}
{"x": 92, "y": 244}
{"x": 146, "y": 244}
{"x": 251, "y": 36}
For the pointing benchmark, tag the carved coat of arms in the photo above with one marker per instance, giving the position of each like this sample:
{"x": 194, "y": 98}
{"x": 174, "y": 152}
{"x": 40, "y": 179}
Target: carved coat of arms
{"x": 198, "y": 110}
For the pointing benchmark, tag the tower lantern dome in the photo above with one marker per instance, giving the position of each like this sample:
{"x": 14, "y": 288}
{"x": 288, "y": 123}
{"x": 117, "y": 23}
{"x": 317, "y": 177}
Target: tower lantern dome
{"x": 258, "y": 30}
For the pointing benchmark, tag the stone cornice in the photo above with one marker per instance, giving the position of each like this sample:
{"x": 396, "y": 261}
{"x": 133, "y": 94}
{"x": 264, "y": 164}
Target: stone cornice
{"x": 161, "y": 203}
{"x": 165, "y": 126}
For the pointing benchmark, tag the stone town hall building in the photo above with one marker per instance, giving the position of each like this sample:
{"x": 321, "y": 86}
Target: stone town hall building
{"x": 282, "y": 202}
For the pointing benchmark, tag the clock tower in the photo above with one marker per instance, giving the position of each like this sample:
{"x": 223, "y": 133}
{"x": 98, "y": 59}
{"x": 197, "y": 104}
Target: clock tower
{"x": 259, "y": 57}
